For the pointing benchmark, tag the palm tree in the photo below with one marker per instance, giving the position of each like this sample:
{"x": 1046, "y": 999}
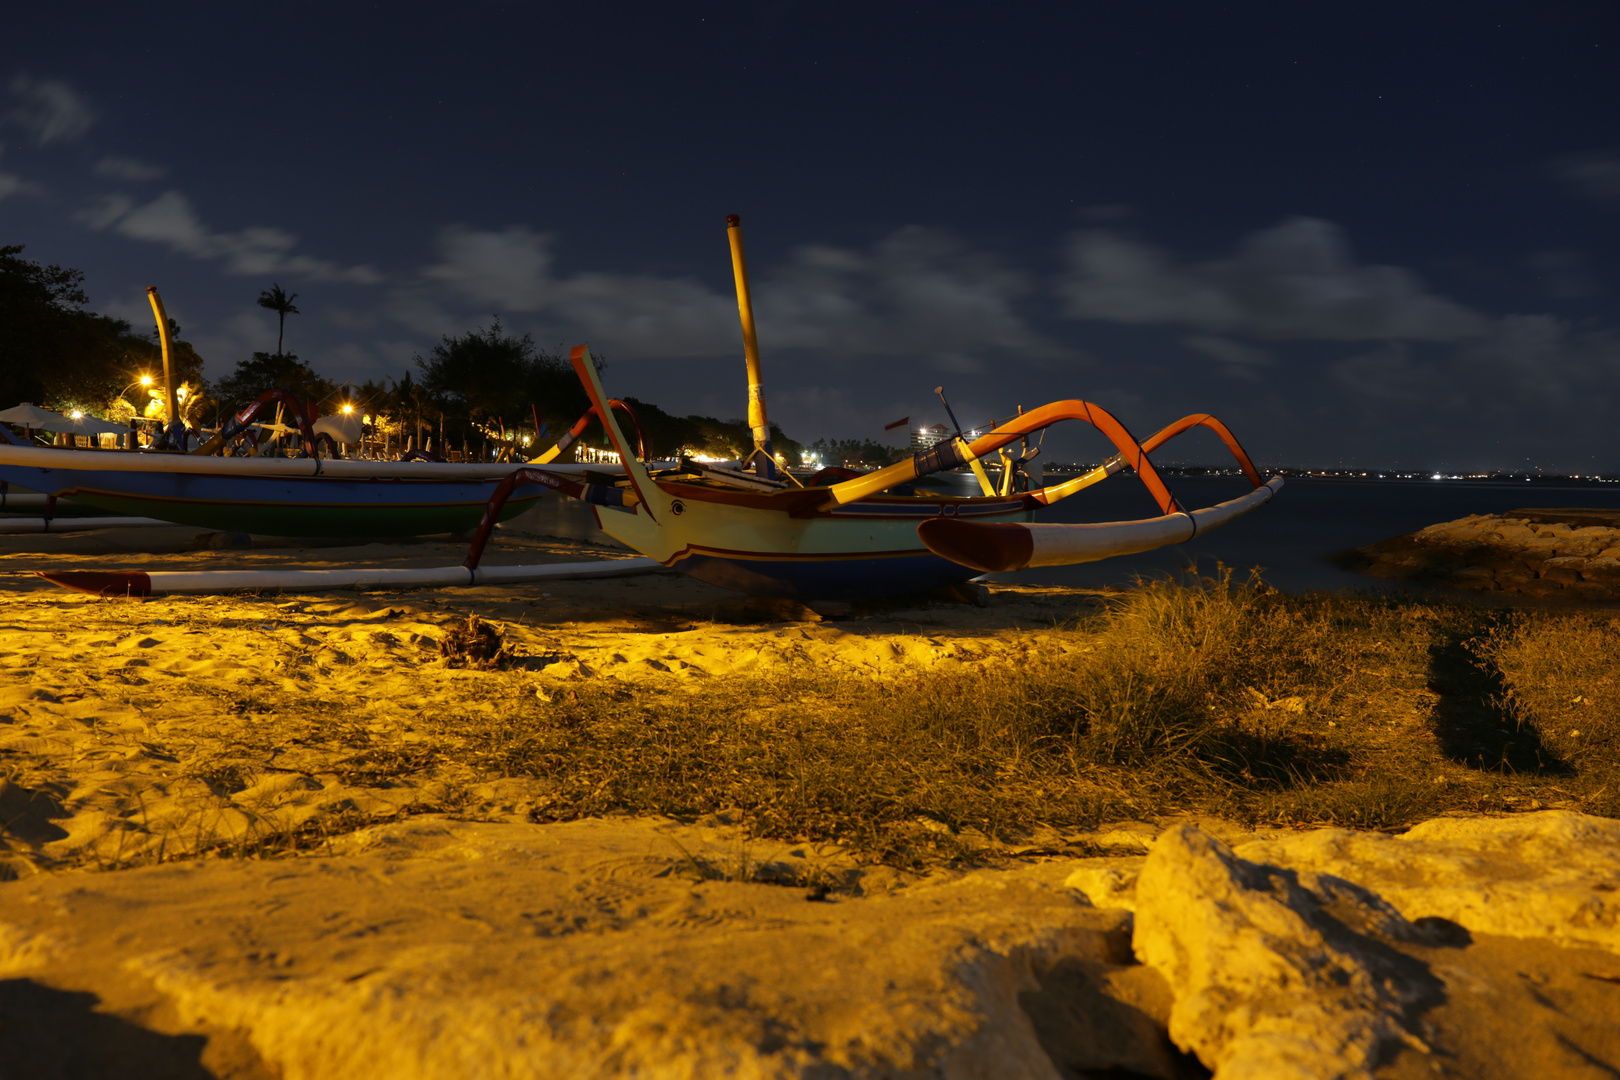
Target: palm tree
{"x": 279, "y": 302}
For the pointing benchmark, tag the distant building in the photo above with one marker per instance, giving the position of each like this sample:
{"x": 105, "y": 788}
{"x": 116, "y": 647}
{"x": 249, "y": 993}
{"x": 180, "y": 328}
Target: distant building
{"x": 590, "y": 455}
{"x": 928, "y": 435}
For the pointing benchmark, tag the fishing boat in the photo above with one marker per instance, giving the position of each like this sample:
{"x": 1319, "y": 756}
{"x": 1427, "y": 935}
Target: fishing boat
{"x": 309, "y": 495}
{"x": 312, "y": 496}
{"x": 757, "y": 529}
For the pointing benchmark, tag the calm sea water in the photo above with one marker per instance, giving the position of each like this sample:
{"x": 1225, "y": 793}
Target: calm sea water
{"x": 1290, "y": 538}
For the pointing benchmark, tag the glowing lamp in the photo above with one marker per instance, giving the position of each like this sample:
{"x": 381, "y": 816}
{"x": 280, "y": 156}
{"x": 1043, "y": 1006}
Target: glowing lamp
{"x": 348, "y": 409}
{"x": 146, "y": 380}
{"x": 77, "y": 414}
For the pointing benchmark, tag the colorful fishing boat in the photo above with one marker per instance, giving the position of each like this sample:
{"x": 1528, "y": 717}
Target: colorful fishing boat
{"x": 759, "y": 530}
{"x": 272, "y": 496}
{"x": 309, "y": 495}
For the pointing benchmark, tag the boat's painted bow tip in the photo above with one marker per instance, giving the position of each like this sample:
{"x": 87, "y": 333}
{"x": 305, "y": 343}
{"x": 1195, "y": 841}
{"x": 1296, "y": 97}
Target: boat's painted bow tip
{"x": 101, "y": 582}
{"x": 986, "y": 546}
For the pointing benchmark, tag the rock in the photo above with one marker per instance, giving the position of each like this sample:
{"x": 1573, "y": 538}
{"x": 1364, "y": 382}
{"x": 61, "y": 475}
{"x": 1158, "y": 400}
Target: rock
{"x": 1557, "y": 553}
{"x": 1276, "y": 975}
{"x": 1552, "y": 875}
{"x": 1469, "y": 947}
{"x": 445, "y": 949}
{"x": 1602, "y": 568}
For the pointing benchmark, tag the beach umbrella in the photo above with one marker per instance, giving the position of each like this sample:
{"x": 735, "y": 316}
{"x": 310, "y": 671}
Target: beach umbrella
{"x": 95, "y": 425}
{"x": 32, "y": 416}
{"x": 343, "y": 427}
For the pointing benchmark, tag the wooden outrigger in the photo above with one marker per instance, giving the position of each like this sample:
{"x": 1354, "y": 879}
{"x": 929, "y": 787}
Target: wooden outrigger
{"x": 873, "y": 534}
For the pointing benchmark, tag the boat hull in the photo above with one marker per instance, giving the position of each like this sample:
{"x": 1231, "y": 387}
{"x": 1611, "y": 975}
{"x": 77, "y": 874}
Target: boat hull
{"x": 754, "y": 543}
{"x": 280, "y": 505}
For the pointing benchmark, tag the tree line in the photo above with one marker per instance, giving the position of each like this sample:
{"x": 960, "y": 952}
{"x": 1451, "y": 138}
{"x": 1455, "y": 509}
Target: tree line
{"x": 484, "y": 386}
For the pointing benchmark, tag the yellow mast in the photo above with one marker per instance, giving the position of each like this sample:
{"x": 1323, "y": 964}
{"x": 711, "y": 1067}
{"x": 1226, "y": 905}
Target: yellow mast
{"x": 757, "y": 421}
{"x": 168, "y": 365}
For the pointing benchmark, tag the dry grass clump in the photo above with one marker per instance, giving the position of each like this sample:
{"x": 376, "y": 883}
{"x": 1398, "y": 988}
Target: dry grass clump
{"x": 1562, "y": 676}
{"x": 475, "y": 644}
{"x": 1200, "y": 696}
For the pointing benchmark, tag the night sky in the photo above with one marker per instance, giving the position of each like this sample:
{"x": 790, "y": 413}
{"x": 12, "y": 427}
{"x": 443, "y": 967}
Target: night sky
{"x": 1381, "y": 235}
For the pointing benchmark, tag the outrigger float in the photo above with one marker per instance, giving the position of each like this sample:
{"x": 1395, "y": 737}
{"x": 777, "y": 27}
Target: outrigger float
{"x": 754, "y": 528}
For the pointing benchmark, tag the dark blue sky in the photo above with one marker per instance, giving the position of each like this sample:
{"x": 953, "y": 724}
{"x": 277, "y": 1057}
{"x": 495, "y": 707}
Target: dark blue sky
{"x": 1377, "y": 234}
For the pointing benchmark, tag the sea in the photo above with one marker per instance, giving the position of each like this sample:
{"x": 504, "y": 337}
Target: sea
{"x": 1290, "y": 540}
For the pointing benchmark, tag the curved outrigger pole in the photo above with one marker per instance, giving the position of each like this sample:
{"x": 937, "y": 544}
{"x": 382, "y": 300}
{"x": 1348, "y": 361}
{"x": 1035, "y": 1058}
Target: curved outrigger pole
{"x": 572, "y": 435}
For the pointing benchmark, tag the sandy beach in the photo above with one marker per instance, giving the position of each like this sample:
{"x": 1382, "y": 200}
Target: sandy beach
{"x": 248, "y": 836}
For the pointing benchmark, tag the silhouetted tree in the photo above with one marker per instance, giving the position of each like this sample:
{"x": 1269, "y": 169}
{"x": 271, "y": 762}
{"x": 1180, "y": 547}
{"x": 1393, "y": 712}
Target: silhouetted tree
{"x": 487, "y": 373}
{"x": 279, "y": 302}
{"x": 856, "y": 452}
{"x": 54, "y": 353}
{"x": 269, "y": 371}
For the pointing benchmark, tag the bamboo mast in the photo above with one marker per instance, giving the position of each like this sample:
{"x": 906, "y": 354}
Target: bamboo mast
{"x": 168, "y": 364}
{"x": 757, "y": 422}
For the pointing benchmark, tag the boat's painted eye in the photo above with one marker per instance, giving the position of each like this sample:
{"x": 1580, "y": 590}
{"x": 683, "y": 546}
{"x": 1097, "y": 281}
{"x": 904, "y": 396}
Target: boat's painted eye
{"x": 677, "y": 507}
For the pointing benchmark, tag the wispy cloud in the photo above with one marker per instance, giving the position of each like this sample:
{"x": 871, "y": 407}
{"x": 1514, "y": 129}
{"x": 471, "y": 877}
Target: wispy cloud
{"x": 1564, "y": 274}
{"x": 49, "y": 109}
{"x": 1594, "y": 175}
{"x": 122, "y": 168}
{"x": 11, "y": 183}
{"x": 1295, "y": 280}
{"x": 918, "y": 292}
{"x": 1237, "y": 359}
{"x": 257, "y": 250}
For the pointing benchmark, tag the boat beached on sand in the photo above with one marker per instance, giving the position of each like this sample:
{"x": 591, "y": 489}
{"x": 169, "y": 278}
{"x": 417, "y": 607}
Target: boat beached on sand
{"x": 253, "y": 492}
{"x": 754, "y": 528}
{"x": 759, "y": 530}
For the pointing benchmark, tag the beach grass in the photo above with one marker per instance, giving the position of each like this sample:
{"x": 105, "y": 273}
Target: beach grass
{"x": 1206, "y": 696}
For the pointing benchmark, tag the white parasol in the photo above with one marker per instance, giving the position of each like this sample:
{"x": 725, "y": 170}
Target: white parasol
{"x": 32, "y": 416}
{"x": 95, "y": 425}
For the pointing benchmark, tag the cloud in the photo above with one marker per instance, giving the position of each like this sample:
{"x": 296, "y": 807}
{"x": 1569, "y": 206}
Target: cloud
{"x": 1295, "y": 280}
{"x": 122, "y": 168}
{"x": 257, "y": 250}
{"x": 917, "y": 292}
{"x": 1238, "y": 360}
{"x": 1530, "y": 372}
{"x": 1390, "y": 373}
{"x": 1594, "y": 176}
{"x": 50, "y": 109}
{"x": 12, "y": 184}
{"x": 1564, "y": 274}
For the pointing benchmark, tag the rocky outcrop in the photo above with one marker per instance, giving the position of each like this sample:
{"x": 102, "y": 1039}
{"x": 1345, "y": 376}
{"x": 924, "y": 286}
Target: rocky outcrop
{"x": 608, "y": 948}
{"x": 1474, "y": 948}
{"x": 1564, "y": 554}
{"x": 1467, "y": 947}
{"x": 1276, "y": 975}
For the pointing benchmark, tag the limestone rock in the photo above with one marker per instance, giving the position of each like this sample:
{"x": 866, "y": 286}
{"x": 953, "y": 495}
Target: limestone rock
{"x": 444, "y": 949}
{"x": 1276, "y": 975}
{"x": 1552, "y": 875}
{"x": 1557, "y": 553}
